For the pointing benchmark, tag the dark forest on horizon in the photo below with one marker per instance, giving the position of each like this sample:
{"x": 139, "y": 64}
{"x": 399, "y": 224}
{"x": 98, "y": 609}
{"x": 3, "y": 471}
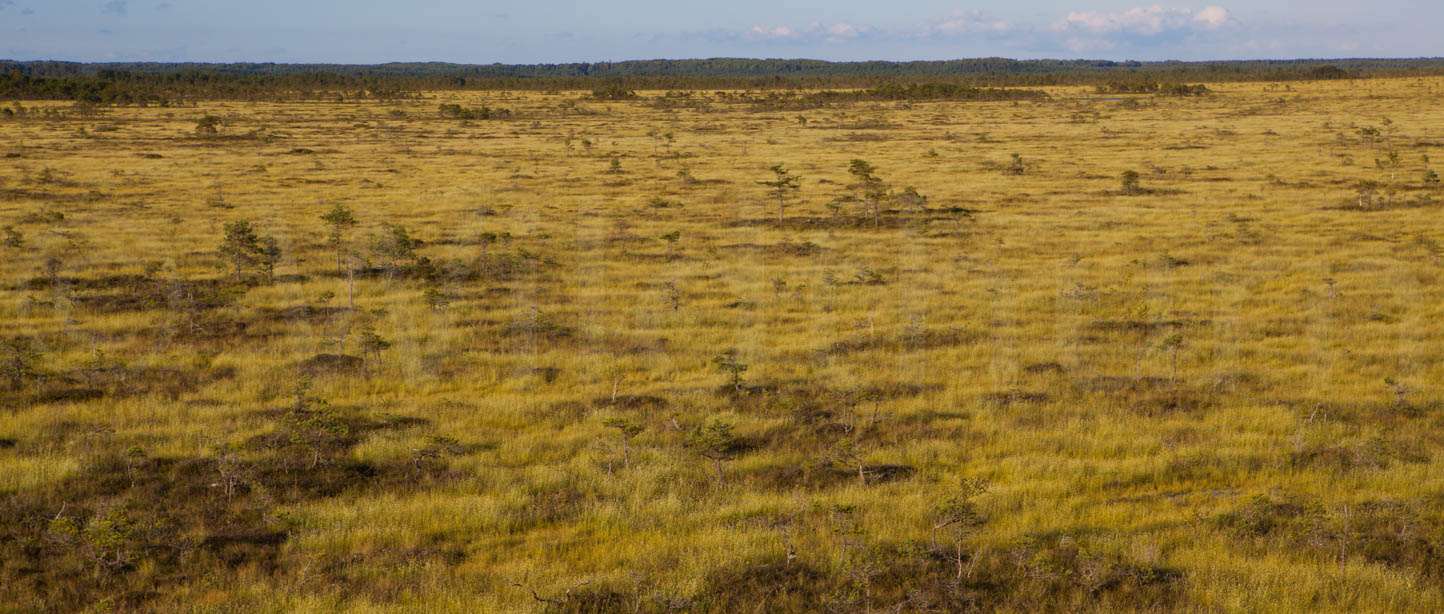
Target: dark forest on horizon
{"x": 161, "y": 83}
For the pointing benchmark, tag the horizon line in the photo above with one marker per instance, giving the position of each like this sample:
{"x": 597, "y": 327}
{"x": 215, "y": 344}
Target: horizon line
{"x": 704, "y": 59}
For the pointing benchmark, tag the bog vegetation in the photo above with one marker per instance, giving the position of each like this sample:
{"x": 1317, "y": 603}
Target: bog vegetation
{"x": 905, "y": 348}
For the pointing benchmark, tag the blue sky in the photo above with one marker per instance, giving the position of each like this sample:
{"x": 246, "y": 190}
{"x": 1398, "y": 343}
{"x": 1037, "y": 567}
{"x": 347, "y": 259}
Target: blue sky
{"x": 547, "y": 31}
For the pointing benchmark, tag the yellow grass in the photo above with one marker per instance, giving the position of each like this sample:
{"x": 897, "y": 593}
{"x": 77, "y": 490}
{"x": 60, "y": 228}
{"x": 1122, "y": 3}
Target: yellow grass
{"x": 1291, "y": 313}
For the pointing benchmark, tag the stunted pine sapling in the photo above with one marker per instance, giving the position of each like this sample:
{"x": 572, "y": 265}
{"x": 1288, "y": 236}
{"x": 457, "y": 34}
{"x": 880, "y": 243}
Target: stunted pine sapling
{"x": 914, "y": 201}
{"x": 628, "y": 431}
{"x": 353, "y": 262}
{"x": 958, "y": 513}
{"x": 783, "y": 182}
{"x": 12, "y": 238}
{"x": 727, "y": 363}
{"x": 713, "y": 441}
{"x": 241, "y": 246}
{"x": 872, "y": 191}
{"x": 486, "y": 240}
{"x": 112, "y": 541}
{"x": 1400, "y": 392}
{"x": 436, "y": 299}
{"x": 1129, "y": 183}
{"x": 52, "y": 265}
{"x": 437, "y": 447}
{"x": 20, "y": 361}
{"x": 684, "y": 173}
{"x": 847, "y": 528}
{"x": 313, "y": 425}
{"x": 1016, "y": 167}
{"x": 845, "y": 453}
{"x": 673, "y": 295}
{"x": 372, "y": 344}
{"x": 567, "y": 596}
{"x": 208, "y": 125}
{"x": 671, "y": 238}
{"x": 270, "y": 255}
{"x": 339, "y": 219}
{"x": 393, "y": 245}
{"x": 134, "y": 458}
{"x": 1172, "y": 344}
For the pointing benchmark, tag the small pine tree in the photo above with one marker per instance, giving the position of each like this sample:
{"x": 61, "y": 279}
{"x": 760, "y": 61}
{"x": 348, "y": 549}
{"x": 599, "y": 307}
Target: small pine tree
{"x": 1130, "y": 185}
{"x": 19, "y": 361}
{"x": 1016, "y": 167}
{"x": 208, "y": 125}
{"x": 13, "y": 238}
{"x": 783, "y": 182}
{"x": 873, "y": 191}
{"x": 671, "y": 238}
{"x": 372, "y": 344}
{"x": 727, "y": 363}
{"x": 270, "y": 255}
{"x": 436, "y": 299}
{"x": 714, "y": 442}
{"x": 959, "y": 515}
{"x": 628, "y": 431}
{"x": 393, "y": 245}
{"x": 242, "y": 247}
{"x": 340, "y": 220}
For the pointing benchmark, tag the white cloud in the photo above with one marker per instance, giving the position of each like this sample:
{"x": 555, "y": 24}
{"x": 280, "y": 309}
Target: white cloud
{"x": 1142, "y": 26}
{"x": 778, "y": 33}
{"x": 1145, "y": 21}
{"x": 1078, "y": 31}
{"x": 1212, "y": 17}
{"x": 835, "y": 33}
{"x": 969, "y": 22}
{"x": 842, "y": 30}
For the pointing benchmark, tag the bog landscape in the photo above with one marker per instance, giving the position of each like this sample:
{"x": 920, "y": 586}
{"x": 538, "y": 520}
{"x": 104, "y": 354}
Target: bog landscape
{"x": 1114, "y": 342}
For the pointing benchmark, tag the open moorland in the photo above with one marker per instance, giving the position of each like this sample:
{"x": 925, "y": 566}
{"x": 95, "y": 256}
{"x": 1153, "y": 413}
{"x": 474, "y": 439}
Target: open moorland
{"x": 1070, "y": 349}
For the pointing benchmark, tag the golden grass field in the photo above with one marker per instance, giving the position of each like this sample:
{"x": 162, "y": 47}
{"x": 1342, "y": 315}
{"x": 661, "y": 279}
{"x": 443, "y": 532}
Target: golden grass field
{"x": 1218, "y": 394}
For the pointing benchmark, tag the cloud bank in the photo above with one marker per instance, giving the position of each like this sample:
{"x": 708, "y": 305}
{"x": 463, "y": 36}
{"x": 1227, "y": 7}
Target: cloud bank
{"x": 1142, "y": 27}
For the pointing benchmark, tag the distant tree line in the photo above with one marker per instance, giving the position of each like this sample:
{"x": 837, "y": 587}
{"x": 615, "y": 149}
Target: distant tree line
{"x": 1153, "y": 87}
{"x": 933, "y": 91}
{"x": 162, "y": 83}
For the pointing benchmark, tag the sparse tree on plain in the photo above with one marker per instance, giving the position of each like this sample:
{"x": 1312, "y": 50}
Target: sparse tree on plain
{"x": 340, "y": 220}
{"x": 372, "y": 344}
{"x": 628, "y": 431}
{"x": 958, "y": 514}
{"x": 871, "y": 189}
{"x": 270, "y": 255}
{"x": 21, "y": 361}
{"x": 1130, "y": 184}
{"x": 784, "y": 181}
{"x": 728, "y": 363}
{"x": 713, "y": 441}
{"x": 393, "y": 245}
{"x": 208, "y": 125}
{"x": 242, "y": 247}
